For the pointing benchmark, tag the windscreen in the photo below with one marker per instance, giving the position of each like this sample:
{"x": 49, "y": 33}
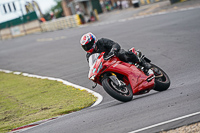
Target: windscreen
{"x": 92, "y": 59}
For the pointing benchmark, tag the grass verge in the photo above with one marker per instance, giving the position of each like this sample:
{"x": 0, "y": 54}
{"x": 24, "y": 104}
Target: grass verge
{"x": 24, "y": 100}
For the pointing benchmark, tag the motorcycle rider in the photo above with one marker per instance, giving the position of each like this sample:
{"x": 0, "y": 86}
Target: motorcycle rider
{"x": 91, "y": 45}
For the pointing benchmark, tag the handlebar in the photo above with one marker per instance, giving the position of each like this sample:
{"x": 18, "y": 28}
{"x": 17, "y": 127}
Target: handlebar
{"x": 108, "y": 57}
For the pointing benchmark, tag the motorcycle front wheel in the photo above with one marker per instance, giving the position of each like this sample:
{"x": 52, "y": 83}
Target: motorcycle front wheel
{"x": 124, "y": 94}
{"x": 162, "y": 81}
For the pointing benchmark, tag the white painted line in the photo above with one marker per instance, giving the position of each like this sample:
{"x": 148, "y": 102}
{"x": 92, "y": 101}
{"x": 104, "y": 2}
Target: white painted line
{"x": 122, "y": 20}
{"x": 144, "y": 16}
{"x": 165, "y": 122}
{"x": 99, "y": 97}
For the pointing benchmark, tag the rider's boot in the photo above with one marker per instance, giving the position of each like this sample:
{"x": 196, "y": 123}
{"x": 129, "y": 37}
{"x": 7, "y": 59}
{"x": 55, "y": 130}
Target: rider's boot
{"x": 146, "y": 65}
{"x": 138, "y": 58}
{"x": 139, "y": 53}
{"x": 142, "y": 62}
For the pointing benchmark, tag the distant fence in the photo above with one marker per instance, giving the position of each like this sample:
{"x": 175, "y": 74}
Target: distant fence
{"x": 61, "y": 23}
{"x": 20, "y": 30}
{"x": 36, "y": 26}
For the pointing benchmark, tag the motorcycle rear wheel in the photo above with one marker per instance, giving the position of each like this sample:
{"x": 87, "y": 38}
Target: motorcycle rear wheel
{"x": 162, "y": 82}
{"x": 110, "y": 88}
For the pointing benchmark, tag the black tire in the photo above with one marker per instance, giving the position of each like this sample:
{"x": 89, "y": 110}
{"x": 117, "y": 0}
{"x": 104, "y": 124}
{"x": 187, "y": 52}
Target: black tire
{"x": 109, "y": 88}
{"x": 161, "y": 83}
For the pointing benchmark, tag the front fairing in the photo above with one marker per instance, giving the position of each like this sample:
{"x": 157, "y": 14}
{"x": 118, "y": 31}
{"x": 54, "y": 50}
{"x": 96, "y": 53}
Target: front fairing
{"x": 97, "y": 65}
{"x": 94, "y": 61}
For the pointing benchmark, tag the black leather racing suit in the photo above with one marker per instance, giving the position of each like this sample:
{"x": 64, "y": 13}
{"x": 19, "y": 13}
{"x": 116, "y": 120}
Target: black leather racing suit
{"x": 107, "y": 46}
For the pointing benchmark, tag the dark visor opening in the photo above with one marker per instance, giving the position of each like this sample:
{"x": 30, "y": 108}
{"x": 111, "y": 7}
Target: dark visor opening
{"x": 88, "y": 46}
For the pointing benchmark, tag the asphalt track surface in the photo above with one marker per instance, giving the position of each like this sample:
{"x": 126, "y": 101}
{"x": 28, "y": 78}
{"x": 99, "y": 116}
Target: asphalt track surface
{"x": 172, "y": 41}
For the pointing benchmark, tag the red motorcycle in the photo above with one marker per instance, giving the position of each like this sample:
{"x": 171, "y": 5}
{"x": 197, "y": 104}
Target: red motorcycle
{"x": 122, "y": 80}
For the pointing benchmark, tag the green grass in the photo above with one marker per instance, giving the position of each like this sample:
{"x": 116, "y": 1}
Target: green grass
{"x": 24, "y": 100}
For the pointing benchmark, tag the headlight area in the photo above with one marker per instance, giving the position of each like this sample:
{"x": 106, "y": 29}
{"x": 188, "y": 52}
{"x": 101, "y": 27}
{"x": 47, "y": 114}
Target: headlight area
{"x": 93, "y": 77}
{"x": 98, "y": 70}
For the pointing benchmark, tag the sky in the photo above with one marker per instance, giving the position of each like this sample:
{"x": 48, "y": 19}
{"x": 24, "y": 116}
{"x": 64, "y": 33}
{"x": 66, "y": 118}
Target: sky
{"x": 44, "y": 6}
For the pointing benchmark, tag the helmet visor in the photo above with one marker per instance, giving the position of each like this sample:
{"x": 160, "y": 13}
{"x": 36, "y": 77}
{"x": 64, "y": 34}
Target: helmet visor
{"x": 89, "y": 45}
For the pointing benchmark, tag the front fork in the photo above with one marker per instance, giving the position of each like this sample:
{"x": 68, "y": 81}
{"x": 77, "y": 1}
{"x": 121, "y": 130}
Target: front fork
{"x": 116, "y": 81}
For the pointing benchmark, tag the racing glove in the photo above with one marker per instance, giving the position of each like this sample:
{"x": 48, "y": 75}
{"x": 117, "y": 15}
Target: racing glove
{"x": 112, "y": 53}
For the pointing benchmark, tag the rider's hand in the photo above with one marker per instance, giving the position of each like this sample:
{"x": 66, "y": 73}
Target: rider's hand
{"x": 110, "y": 54}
